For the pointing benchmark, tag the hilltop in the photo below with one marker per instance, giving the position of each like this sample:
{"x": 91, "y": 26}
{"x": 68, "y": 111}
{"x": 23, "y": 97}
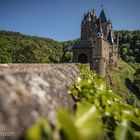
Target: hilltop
{"x": 18, "y": 48}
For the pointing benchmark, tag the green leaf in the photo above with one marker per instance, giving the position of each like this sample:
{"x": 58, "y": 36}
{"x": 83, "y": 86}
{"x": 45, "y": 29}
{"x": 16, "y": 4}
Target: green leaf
{"x": 67, "y": 125}
{"x": 124, "y": 132}
{"x": 88, "y": 122}
{"x": 39, "y": 131}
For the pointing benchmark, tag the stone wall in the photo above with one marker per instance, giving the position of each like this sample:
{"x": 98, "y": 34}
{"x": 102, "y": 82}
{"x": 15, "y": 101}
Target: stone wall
{"x": 88, "y": 52}
{"x": 31, "y": 91}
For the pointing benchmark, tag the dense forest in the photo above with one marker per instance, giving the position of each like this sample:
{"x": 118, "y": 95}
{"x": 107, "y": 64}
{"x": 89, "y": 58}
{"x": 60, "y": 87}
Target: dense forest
{"x": 129, "y": 49}
{"x": 18, "y": 48}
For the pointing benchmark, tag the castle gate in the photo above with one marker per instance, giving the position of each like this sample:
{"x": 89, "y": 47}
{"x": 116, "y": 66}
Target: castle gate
{"x": 82, "y": 58}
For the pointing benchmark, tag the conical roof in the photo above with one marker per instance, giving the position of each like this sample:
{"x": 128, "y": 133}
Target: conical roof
{"x": 94, "y": 13}
{"x": 102, "y": 16}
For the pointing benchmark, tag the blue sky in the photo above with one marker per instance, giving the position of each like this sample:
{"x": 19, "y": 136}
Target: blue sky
{"x": 61, "y": 19}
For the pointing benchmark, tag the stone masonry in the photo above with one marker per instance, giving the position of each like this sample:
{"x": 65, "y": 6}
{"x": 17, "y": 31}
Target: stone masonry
{"x": 98, "y": 45}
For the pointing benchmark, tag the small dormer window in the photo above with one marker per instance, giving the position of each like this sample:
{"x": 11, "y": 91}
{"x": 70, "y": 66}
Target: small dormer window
{"x": 100, "y": 35}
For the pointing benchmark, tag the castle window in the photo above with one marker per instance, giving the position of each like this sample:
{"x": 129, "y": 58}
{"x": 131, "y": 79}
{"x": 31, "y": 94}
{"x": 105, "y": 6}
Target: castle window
{"x": 101, "y": 34}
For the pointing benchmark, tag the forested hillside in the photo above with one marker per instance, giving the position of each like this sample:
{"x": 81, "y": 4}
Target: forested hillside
{"x": 126, "y": 83}
{"x": 129, "y": 49}
{"x": 19, "y": 48}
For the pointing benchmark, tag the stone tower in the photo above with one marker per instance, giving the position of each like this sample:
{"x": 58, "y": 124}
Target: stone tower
{"x": 96, "y": 45}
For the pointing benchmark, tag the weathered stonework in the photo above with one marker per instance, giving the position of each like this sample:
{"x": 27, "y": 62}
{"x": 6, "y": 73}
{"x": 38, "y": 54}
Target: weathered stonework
{"x": 97, "y": 44}
{"x": 31, "y": 91}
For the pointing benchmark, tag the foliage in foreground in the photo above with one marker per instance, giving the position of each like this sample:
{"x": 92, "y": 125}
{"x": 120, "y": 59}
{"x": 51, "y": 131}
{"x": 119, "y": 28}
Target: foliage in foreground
{"x": 100, "y": 115}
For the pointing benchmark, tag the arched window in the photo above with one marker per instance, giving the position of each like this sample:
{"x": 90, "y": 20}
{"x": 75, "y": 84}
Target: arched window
{"x": 82, "y": 58}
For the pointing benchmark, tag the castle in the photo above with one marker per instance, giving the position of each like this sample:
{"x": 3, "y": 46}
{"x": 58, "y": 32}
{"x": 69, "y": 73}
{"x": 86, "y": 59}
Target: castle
{"x": 97, "y": 45}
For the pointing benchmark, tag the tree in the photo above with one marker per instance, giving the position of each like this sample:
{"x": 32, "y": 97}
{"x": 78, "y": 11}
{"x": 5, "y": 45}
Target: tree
{"x": 137, "y": 78}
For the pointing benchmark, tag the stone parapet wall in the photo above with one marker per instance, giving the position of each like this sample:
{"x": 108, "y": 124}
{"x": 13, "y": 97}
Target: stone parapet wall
{"x": 31, "y": 91}
{"x": 14, "y": 68}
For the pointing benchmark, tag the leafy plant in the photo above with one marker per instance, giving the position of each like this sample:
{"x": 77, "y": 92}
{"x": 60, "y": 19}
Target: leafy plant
{"x": 85, "y": 125}
{"x": 40, "y": 131}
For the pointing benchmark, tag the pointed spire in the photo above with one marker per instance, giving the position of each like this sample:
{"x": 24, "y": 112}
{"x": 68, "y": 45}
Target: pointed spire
{"x": 88, "y": 16}
{"x": 100, "y": 26}
{"x": 102, "y": 16}
{"x": 94, "y": 13}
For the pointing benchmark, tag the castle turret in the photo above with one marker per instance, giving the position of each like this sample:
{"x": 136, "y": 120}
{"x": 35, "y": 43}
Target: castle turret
{"x": 110, "y": 37}
{"x": 93, "y": 15}
{"x": 109, "y": 24}
{"x": 102, "y": 16}
{"x": 100, "y": 30}
{"x": 87, "y": 25}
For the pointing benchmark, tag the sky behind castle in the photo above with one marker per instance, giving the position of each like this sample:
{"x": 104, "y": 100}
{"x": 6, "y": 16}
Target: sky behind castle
{"x": 61, "y": 19}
